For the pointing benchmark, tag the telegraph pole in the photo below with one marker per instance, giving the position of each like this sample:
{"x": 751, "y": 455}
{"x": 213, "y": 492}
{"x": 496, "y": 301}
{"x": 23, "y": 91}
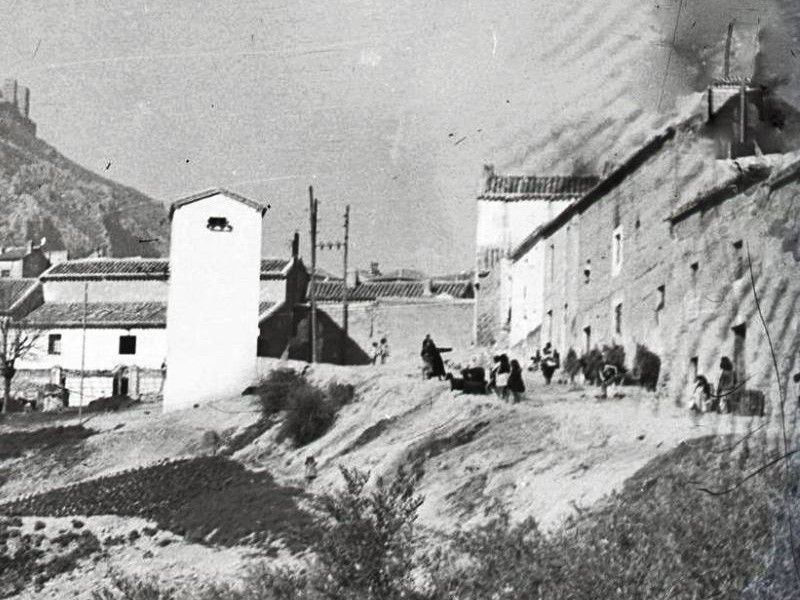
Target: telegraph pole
{"x": 83, "y": 345}
{"x": 312, "y": 287}
{"x": 344, "y": 282}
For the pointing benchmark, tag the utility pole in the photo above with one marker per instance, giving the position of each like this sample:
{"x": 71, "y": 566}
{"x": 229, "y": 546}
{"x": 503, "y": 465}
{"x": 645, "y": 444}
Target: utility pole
{"x": 83, "y": 346}
{"x": 312, "y": 204}
{"x": 344, "y": 283}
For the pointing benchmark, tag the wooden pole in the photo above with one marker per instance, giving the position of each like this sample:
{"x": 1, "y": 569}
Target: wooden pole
{"x": 344, "y": 283}
{"x": 313, "y": 203}
{"x": 83, "y": 346}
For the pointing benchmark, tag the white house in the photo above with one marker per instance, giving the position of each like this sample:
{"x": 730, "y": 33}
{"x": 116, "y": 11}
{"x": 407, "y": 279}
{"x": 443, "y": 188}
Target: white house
{"x": 213, "y": 303}
{"x": 122, "y": 303}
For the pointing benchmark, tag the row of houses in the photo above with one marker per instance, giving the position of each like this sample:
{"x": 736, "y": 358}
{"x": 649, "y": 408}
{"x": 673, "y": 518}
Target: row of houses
{"x": 689, "y": 247}
{"x": 144, "y": 326}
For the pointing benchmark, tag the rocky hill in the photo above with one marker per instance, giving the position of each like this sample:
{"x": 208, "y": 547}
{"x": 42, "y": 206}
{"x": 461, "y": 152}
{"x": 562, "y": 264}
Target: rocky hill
{"x": 44, "y": 194}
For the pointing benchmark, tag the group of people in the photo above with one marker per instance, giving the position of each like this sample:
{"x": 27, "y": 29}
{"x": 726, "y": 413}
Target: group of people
{"x": 380, "y": 351}
{"x": 505, "y": 379}
{"x": 706, "y": 399}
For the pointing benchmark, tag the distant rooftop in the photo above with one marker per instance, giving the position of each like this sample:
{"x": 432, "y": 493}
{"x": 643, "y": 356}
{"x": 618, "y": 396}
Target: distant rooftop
{"x": 117, "y": 315}
{"x": 275, "y": 268}
{"x": 109, "y": 268}
{"x": 331, "y": 291}
{"x": 14, "y": 290}
{"x": 530, "y": 187}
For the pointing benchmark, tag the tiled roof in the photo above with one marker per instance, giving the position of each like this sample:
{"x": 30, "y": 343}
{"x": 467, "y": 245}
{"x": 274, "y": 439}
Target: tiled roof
{"x": 16, "y": 253}
{"x": 264, "y": 307}
{"x": 400, "y": 275}
{"x": 109, "y": 268}
{"x": 122, "y": 315}
{"x": 214, "y": 192}
{"x": 330, "y": 291}
{"x": 13, "y": 290}
{"x": 529, "y": 187}
{"x": 275, "y": 268}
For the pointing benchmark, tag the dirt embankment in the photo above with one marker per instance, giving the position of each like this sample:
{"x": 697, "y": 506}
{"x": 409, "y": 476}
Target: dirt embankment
{"x": 554, "y": 454}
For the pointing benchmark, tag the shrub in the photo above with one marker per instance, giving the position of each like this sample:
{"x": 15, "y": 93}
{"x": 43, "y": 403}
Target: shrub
{"x": 590, "y": 365}
{"x": 572, "y": 365}
{"x": 614, "y": 354}
{"x": 340, "y": 394}
{"x": 122, "y": 587}
{"x": 273, "y": 391}
{"x": 308, "y": 415}
{"x": 646, "y": 367}
{"x": 365, "y": 548}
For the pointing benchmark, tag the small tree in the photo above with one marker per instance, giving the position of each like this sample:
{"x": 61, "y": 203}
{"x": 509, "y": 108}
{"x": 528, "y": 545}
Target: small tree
{"x": 16, "y": 342}
{"x": 366, "y": 544}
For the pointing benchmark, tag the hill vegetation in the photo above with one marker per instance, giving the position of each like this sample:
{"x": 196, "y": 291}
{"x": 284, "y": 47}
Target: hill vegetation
{"x": 44, "y": 194}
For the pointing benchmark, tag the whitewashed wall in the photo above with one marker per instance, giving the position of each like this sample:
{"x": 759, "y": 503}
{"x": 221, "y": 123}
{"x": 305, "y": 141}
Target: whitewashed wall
{"x": 212, "y": 314}
{"x": 102, "y": 349}
{"x": 107, "y": 291}
{"x": 527, "y": 294}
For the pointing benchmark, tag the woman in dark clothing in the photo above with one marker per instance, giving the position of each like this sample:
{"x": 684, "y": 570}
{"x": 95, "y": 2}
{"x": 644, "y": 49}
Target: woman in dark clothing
{"x": 501, "y": 376}
{"x": 515, "y": 383}
{"x": 549, "y": 362}
{"x": 726, "y": 387}
{"x": 433, "y": 359}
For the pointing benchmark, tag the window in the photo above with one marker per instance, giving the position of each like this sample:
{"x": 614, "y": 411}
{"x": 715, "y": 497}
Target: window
{"x": 618, "y": 319}
{"x": 127, "y": 344}
{"x": 587, "y": 339}
{"x": 616, "y": 251}
{"x": 219, "y": 224}
{"x": 661, "y": 302}
{"x": 5, "y": 273}
{"x": 738, "y": 258}
{"x": 695, "y": 267}
{"x": 552, "y": 261}
{"x": 587, "y": 271}
{"x": 54, "y": 343}
{"x": 550, "y": 325}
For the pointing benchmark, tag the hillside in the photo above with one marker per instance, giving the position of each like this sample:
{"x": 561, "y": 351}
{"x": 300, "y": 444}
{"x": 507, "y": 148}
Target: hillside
{"x": 559, "y": 455}
{"x": 44, "y": 194}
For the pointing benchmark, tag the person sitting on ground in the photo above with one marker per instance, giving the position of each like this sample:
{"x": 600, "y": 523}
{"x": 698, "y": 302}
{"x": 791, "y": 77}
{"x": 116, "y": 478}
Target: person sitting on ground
{"x": 549, "y": 362}
{"x": 701, "y": 395}
{"x": 516, "y": 385}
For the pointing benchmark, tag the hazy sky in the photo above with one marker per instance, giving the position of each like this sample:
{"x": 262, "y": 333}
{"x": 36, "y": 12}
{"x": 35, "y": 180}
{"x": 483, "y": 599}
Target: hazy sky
{"x": 391, "y": 106}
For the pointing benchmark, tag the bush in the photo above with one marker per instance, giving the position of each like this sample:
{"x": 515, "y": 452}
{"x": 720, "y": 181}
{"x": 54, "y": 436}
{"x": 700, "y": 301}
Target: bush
{"x": 614, "y": 354}
{"x": 340, "y": 394}
{"x": 365, "y": 549}
{"x": 308, "y": 415}
{"x": 646, "y": 367}
{"x": 591, "y": 362}
{"x": 273, "y": 391}
{"x": 572, "y": 365}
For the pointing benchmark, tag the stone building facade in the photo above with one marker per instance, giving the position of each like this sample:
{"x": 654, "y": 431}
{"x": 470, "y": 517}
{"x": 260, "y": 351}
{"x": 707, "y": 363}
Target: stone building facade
{"x": 658, "y": 253}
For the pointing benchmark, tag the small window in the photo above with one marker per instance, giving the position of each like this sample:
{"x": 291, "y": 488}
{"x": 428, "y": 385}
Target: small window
{"x": 661, "y": 292}
{"x": 54, "y": 343}
{"x": 5, "y": 273}
{"x": 616, "y": 251}
{"x": 219, "y": 224}
{"x": 127, "y": 344}
{"x": 618, "y": 319}
{"x": 738, "y": 257}
{"x": 587, "y": 271}
{"x": 693, "y": 367}
{"x": 587, "y": 339}
{"x": 695, "y": 267}
{"x": 552, "y": 261}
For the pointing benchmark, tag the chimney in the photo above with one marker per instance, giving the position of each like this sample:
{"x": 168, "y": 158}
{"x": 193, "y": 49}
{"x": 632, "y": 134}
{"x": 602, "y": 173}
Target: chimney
{"x": 10, "y": 91}
{"x": 427, "y": 290}
{"x": 24, "y": 99}
{"x": 373, "y": 268}
{"x": 28, "y": 246}
{"x": 352, "y": 278}
{"x": 295, "y": 246}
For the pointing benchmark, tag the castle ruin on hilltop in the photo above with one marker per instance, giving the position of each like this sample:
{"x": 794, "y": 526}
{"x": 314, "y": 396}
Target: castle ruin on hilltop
{"x": 15, "y": 104}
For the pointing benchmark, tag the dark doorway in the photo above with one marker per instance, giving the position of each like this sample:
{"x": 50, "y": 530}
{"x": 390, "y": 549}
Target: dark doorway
{"x": 739, "y": 365}
{"x": 587, "y": 339}
{"x": 120, "y": 385}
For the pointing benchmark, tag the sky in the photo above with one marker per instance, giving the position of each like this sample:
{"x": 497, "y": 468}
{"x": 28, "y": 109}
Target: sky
{"x": 392, "y": 106}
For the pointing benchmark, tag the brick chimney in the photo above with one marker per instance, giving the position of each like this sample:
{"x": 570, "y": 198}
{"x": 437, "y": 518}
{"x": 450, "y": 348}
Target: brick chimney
{"x": 295, "y": 246}
{"x": 28, "y": 246}
{"x": 373, "y": 268}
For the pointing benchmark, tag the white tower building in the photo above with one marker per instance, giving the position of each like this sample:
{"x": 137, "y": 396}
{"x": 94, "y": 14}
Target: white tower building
{"x": 212, "y": 310}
